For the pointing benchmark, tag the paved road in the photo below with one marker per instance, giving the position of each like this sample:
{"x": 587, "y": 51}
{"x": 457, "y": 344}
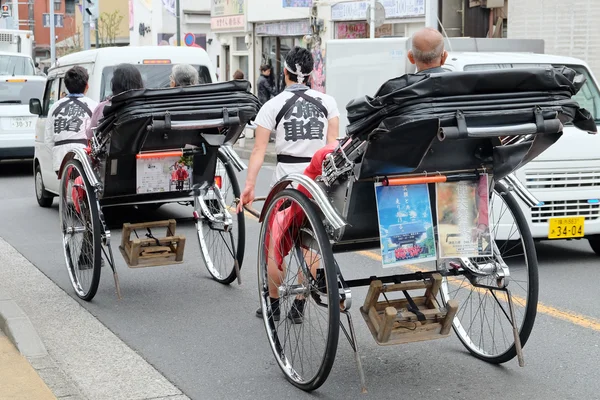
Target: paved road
{"x": 205, "y": 339}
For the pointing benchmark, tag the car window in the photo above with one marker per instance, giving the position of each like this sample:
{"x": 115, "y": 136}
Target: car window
{"x": 51, "y": 94}
{"x": 588, "y": 96}
{"x": 19, "y": 91}
{"x": 16, "y": 65}
{"x": 154, "y": 75}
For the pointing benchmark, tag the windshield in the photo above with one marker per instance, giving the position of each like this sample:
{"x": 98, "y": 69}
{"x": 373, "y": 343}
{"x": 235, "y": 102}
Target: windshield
{"x": 20, "y": 91}
{"x": 155, "y": 76}
{"x": 16, "y": 65}
{"x": 588, "y": 96}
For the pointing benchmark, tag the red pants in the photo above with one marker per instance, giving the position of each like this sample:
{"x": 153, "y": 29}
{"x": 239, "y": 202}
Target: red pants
{"x": 284, "y": 224}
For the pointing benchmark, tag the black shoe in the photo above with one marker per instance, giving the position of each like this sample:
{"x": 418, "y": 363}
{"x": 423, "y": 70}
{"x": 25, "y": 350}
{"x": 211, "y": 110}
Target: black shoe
{"x": 276, "y": 314}
{"x": 296, "y": 312}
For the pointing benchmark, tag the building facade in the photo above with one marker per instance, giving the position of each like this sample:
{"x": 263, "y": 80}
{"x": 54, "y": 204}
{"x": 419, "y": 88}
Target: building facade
{"x": 35, "y": 16}
{"x": 154, "y": 23}
{"x": 569, "y": 28}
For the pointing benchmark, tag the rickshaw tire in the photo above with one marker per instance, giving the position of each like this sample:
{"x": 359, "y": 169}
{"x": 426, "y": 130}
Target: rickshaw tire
{"x": 96, "y": 232}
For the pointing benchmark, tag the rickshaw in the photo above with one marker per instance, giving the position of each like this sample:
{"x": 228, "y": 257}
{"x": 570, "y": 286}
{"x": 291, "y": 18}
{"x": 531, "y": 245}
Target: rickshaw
{"x": 452, "y": 129}
{"x": 157, "y": 146}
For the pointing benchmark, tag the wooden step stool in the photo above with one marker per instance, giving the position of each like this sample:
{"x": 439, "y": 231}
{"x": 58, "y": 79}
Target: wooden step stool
{"x": 391, "y": 322}
{"x": 152, "y": 252}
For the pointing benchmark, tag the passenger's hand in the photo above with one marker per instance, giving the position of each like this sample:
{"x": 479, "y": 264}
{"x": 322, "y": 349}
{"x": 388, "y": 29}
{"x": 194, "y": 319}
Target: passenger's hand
{"x": 246, "y": 198}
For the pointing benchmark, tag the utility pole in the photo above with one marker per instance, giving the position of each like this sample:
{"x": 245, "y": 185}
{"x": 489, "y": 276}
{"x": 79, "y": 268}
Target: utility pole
{"x": 372, "y": 19}
{"x": 52, "y": 34}
{"x": 97, "y": 34}
{"x": 178, "y": 16}
{"x": 86, "y": 30}
{"x": 431, "y": 14}
{"x": 15, "y": 14}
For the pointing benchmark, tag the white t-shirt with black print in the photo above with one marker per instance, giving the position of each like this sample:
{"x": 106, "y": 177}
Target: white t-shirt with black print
{"x": 301, "y": 131}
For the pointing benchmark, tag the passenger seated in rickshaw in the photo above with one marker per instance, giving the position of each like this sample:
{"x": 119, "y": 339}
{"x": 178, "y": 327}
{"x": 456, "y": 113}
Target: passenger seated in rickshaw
{"x": 125, "y": 77}
{"x": 184, "y": 75}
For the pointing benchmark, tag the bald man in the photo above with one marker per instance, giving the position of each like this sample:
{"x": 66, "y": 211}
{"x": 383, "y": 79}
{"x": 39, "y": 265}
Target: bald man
{"x": 427, "y": 51}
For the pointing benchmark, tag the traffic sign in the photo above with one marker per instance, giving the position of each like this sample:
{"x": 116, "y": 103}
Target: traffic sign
{"x": 379, "y": 14}
{"x": 189, "y": 39}
{"x": 92, "y": 9}
{"x": 6, "y": 11}
{"x": 58, "y": 20}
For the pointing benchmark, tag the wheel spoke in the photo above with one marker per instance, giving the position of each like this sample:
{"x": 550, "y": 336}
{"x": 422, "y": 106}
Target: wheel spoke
{"x": 293, "y": 246}
{"x": 483, "y": 323}
{"x": 219, "y": 248}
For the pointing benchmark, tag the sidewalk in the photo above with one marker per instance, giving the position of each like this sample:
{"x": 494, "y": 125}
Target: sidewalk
{"x": 243, "y": 148}
{"x": 64, "y": 349}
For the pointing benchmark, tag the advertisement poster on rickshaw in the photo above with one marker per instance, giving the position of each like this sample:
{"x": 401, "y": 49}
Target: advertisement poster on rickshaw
{"x": 463, "y": 218}
{"x": 405, "y": 224}
{"x": 163, "y": 174}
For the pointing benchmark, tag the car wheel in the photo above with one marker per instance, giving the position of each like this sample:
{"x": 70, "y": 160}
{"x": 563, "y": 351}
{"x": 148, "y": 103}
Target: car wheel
{"x": 44, "y": 198}
{"x": 595, "y": 243}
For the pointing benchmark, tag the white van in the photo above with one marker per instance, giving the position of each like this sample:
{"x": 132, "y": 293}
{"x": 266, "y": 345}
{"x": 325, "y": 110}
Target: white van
{"x": 18, "y": 83}
{"x": 154, "y": 63}
{"x": 566, "y": 177}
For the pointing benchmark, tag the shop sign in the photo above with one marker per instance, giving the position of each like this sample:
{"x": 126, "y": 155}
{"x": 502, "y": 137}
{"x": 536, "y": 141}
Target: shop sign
{"x": 393, "y": 9}
{"x": 228, "y": 22}
{"x": 297, "y": 3}
{"x": 290, "y": 28}
{"x": 359, "y": 30}
{"x": 221, "y": 8}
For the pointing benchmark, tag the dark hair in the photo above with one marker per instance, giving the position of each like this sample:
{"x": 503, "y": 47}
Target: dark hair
{"x": 302, "y": 57}
{"x": 126, "y": 77}
{"x": 238, "y": 74}
{"x": 76, "y": 79}
{"x": 265, "y": 67}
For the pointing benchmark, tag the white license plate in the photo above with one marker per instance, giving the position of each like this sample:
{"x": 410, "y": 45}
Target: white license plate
{"x": 21, "y": 123}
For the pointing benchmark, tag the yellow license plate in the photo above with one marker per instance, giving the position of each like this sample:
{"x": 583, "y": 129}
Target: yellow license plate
{"x": 565, "y": 228}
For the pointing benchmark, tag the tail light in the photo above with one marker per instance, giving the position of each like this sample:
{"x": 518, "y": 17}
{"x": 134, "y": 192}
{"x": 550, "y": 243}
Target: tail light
{"x": 219, "y": 181}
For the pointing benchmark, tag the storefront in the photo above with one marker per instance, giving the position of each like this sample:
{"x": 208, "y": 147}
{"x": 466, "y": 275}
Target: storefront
{"x": 277, "y": 39}
{"x": 402, "y": 18}
{"x": 229, "y": 23}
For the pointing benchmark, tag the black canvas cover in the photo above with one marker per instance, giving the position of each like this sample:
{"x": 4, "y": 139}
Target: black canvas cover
{"x": 401, "y": 122}
{"x": 138, "y": 120}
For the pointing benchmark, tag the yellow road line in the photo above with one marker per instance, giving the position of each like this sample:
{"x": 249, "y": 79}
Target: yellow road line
{"x": 565, "y": 315}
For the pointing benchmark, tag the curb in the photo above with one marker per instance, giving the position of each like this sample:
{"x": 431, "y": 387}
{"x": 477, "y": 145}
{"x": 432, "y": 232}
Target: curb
{"x": 84, "y": 359}
{"x": 19, "y": 329}
{"x": 21, "y": 332}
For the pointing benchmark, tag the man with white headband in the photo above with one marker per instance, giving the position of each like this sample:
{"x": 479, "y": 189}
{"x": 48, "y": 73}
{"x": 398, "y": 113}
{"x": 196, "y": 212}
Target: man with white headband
{"x": 304, "y": 121}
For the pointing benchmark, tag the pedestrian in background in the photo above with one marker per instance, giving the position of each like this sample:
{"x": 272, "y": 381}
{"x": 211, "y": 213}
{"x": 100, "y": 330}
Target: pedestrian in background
{"x": 266, "y": 88}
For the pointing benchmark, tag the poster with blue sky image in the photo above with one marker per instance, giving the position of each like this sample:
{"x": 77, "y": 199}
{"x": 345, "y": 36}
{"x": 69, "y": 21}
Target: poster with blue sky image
{"x": 405, "y": 224}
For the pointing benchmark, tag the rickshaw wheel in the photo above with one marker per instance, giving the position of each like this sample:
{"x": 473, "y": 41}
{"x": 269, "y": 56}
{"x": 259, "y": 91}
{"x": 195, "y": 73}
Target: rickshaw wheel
{"x": 220, "y": 249}
{"x": 80, "y": 228}
{"x": 304, "y": 334}
{"x": 482, "y": 322}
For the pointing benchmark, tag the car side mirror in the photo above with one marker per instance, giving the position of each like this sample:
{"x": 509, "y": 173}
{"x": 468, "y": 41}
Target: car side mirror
{"x": 35, "y": 106}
